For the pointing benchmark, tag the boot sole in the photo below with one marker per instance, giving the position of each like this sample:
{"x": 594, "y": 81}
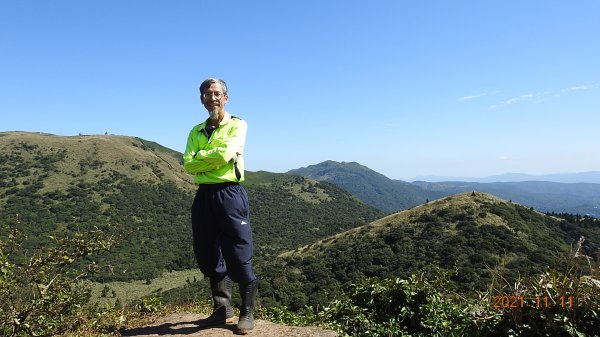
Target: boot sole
{"x": 229, "y": 320}
{"x": 242, "y": 331}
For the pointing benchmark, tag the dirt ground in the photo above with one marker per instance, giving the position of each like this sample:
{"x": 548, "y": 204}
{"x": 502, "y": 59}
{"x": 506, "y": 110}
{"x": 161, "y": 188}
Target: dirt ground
{"x": 182, "y": 325}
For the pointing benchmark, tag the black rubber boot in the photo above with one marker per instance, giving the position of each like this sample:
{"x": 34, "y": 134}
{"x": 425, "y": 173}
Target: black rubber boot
{"x": 248, "y": 293}
{"x": 222, "y": 309}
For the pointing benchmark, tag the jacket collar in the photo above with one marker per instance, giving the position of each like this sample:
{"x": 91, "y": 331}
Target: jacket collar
{"x": 226, "y": 119}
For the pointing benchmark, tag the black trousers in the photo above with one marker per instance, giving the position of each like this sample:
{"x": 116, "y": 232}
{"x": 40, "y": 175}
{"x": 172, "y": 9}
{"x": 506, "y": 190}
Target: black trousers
{"x": 222, "y": 233}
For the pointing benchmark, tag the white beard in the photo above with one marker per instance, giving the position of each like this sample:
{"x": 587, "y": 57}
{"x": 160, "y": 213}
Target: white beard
{"x": 214, "y": 114}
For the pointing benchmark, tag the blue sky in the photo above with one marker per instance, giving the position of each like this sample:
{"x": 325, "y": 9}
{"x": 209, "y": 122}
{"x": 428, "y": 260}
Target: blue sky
{"x": 407, "y": 88}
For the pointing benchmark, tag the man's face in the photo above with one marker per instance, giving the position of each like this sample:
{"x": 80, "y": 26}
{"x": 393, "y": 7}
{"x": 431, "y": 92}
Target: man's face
{"x": 214, "y": 100}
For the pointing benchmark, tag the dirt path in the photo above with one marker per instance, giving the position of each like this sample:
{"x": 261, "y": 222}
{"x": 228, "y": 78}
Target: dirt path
{"x": 179, "y": 325}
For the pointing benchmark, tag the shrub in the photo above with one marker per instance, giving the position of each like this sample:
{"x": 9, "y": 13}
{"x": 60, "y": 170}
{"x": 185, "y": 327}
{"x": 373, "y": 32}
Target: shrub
{"x": 108, "y": 319}
{"x": 149, "y": 304}
{"x": 42, "y": 291}
{"x": 562, "y": 301}
{"x": 396, "y": 307}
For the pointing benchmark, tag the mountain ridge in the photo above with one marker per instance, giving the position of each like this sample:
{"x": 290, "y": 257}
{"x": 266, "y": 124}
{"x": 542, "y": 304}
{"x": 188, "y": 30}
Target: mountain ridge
{"x": 53, "y": 185}
{"x": 370, "y": 186}
{"x": 592, "y": 177}
{"x": 393, "y": 195}
{"x": 287, "y": 211}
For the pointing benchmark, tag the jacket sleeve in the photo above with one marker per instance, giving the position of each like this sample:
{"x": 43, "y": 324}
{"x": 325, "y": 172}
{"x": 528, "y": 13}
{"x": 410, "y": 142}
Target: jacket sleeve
{"x": 219, "y": 152}
{"x": 192, "y": 163}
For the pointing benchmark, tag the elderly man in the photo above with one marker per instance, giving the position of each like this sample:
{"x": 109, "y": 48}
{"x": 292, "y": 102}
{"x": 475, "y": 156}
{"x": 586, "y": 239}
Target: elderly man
{"x": 221, "y": 229}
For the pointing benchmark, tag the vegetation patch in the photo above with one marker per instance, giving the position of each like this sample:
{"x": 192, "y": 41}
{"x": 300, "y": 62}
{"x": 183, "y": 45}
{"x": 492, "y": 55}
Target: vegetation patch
{"x": 122, "y": 293}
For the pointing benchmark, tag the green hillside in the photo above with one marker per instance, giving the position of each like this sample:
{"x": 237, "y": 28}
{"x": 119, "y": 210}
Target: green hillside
{"x": 54, "y": 185}
{"x": 373, "y": 188}
{"x": 317, "y": 245}
{"x": 472, "y": 233}
{"x": 289, "y": 211}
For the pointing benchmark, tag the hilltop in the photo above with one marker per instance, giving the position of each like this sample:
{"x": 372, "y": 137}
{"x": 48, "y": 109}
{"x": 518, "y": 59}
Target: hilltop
{"x": 88, "y": 159}
{"x": 574, "y": 198}
{"x": 372, "y": 187}
{"x": 473, "y": 233}
{"x": 54, "y": 185}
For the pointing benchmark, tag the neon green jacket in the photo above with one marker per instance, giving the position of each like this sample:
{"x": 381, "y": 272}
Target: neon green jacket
{"x": 219, "y": 159}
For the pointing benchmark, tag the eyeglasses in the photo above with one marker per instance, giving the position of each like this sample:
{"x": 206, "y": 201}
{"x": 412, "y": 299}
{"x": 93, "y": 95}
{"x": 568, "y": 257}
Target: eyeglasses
{"x": 216, "y": 94}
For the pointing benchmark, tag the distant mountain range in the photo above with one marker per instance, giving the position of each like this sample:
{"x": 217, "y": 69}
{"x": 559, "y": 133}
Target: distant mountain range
{"x": 394, "y": 195}
{"x": 580, "y": 177}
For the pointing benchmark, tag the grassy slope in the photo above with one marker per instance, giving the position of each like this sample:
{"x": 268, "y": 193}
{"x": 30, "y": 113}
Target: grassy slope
{"x": 127, "y": 292}
{"x": 89, "y": 158}
{"x": 471, "y": 232}
{"x": 54, "y": 184}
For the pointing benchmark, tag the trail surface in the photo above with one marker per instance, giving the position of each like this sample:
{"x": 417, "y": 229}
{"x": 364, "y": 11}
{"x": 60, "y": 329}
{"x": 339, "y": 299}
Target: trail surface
{"x": 183, "y": 325}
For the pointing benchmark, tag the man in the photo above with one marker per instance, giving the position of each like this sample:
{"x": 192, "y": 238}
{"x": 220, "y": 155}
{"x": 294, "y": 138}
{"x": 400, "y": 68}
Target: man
{"x": 222, "y": 235}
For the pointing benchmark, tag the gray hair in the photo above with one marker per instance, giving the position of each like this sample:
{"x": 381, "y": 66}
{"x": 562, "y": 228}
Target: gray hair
{"x": 207, "y": 82}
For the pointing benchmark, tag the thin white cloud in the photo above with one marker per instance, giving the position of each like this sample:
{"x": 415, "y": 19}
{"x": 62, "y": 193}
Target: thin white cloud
{"x": 514, "y": 100}
{"x": 518, "y": 99}
{"x": 476, "y": 96}
{"x": 581, "y": 87}
{"x": 470, "y": 97}
{"x": 542, "y": 96}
